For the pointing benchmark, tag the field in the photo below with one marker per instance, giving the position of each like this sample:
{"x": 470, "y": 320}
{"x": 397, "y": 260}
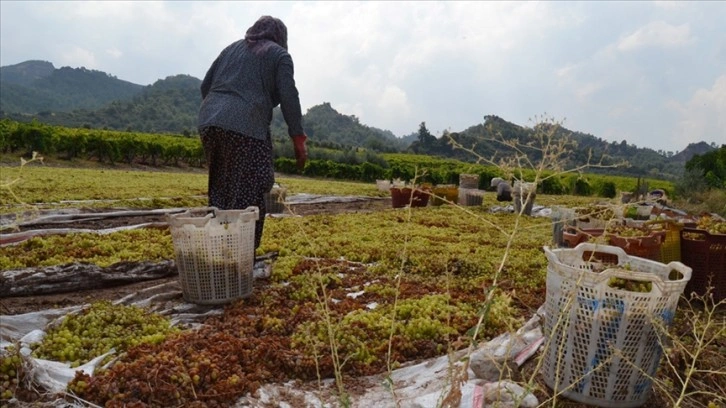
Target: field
{"x": 442, "y": 279}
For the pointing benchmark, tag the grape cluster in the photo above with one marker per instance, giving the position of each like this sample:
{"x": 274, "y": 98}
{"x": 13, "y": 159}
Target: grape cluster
{"x": 10, "y": 370}
{"x": 713, "y": 226}
{"x": 631, "y": 285}
{"x": 202, "y": 368}
{"x": 98, "y": 329}
{"x": 604, "y": 213}
{"x": 624, "y": 231}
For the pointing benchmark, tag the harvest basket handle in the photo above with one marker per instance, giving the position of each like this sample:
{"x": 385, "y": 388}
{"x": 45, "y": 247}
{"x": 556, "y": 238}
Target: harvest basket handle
{"x": 583, "y": 247}
{"x": 605, "y": 249}
{"x": 683, "y": 269}
{"x": 211, "y": 212}
{"x": 197, "y": 216}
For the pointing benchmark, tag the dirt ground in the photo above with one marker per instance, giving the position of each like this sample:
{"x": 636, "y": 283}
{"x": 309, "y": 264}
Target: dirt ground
{"x": 19, "y": 305}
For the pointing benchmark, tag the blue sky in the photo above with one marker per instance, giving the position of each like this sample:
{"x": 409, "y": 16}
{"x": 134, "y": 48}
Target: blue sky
{"x": 651, "y": 73}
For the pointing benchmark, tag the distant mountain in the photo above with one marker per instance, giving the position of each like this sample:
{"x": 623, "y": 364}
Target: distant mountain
{"x": 167, "y": 106}
{"x": 691, "y": 150}
{"x": 327, "y": 127}
{"x": 640, "y": 161}
{"x": 25, "y": 73}
{"x": 78, "y": 97}
{"x": 36, "y": 86}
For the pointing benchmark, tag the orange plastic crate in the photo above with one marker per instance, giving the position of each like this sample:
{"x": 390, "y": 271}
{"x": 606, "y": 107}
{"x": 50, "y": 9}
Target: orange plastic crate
{"x": 648, "y": 246}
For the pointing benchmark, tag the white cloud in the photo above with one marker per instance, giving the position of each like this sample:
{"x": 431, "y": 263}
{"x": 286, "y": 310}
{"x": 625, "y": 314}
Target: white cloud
{"x": 657, "y": 34}
{"x": 114, "y": 53}
{"x": 702, "y": 117}
{"x": 367, "y": 49}
{"x": 586, "y": 90}
{"x": 75, "y": 56}
{"x": 566, "y": 71}
{"x": 669, "y": 4}
{"x": 618, "y": 112}
{"x": 393, "y": 104}
{"x": 87, "y": 10}
{"x": 396, "y": 64}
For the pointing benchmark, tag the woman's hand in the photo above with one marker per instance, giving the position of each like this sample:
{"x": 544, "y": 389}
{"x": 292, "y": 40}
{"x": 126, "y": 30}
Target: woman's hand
{"x": 301, "y": 151}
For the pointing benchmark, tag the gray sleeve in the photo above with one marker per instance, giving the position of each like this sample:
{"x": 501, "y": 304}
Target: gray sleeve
{"x": 288, "y": 95}
{"x": 207, "y": 82}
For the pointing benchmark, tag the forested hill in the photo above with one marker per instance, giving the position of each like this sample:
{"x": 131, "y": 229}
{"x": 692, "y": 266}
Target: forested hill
{"x": 169, "y": 105}
{"x": 329, "y": 128}
{"x": 582, "y": 148}
{"x": 78, "y": 97}
{"x": 36, "y": 86}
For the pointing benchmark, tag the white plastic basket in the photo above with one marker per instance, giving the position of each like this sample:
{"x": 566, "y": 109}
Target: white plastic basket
{"x": 523, "y": 188}
{"x": 603, "y": 345}
{"x": 215, "y": 252}
{"x": 471, "y": 197}
{"x": 524, "y": 194}
{"x": 469, "y": 181}
{"x": 383, "y": 185}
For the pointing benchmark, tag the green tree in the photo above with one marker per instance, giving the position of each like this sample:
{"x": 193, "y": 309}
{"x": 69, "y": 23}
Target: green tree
{"x": 711, "y": 166}
{"x": 425, "y": 138}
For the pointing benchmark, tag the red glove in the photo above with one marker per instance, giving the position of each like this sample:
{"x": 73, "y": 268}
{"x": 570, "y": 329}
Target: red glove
{"x": 301, "y": 152}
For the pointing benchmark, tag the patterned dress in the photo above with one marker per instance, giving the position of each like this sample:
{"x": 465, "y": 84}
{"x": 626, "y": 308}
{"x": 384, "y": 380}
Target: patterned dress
{"x": 240, "y": 172}
{"x": 241, "y": 88}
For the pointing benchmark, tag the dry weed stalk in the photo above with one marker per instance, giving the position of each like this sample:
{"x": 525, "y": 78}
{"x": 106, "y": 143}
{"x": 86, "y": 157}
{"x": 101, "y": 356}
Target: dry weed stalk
{"x": 552, "y": 150}
{"x": 8, "y": 185}
{"x": 323, "y": 300}
{"x": 332, "y": 328}
{"x": 390, "y": 385}
{"x": 686, "y": 356}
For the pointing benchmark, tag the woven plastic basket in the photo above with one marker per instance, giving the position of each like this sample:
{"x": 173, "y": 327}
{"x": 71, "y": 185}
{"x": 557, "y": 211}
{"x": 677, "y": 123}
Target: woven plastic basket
{"x": 602, "y": 341}
{"x": 573, "y": 236}
{"x": 562, "y": 217}
{"x": 275, "y": 200}
{"x": 671, "y": 248}
{"x": 470, "y": 181}
{"x": 471, "y": 197}
{"x": 402, "y": 197}
{"x": 706, "y": 254}
{"x": 523, "y": 195}
{"x": 215, "y": 252}
{"x": 647, "y": 246}
{"x": 444, "y": 194}
{"x": 383, "y": 185}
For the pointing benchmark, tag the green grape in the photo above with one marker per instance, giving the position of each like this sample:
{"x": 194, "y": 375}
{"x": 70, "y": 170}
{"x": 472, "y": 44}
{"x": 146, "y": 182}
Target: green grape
{"x": 713, "y": 226}
{"x": 98, "y": 329}
{"x": 10, "y": 370}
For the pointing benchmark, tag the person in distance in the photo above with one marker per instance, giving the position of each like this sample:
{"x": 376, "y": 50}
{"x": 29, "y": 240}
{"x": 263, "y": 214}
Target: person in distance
{"x": 504, "y": 190}
{"x": 248, "y": 79}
